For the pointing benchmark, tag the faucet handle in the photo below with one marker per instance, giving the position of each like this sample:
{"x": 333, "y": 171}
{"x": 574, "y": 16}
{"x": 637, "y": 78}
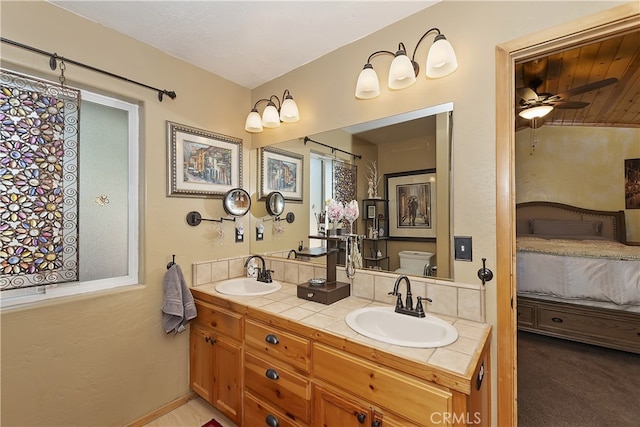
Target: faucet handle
{"x": 419, "y": 308}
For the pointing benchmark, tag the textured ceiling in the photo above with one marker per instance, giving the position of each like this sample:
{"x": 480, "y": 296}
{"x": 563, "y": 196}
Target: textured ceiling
{"x": 246, "y": 42}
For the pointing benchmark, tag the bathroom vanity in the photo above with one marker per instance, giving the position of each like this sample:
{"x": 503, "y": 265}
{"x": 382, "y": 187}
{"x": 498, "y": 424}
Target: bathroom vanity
{"x": 274, "y": 361}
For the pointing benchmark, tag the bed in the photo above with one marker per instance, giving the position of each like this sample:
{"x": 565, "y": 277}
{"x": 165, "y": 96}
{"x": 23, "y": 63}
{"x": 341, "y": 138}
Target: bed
{"x": 576, "y": 276}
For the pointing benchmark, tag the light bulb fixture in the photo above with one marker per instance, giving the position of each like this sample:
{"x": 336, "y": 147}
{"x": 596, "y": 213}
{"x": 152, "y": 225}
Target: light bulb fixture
{"x": 441, "y": 61}
{"x": 535, "y": 112}
{"x": 285, "y": 112}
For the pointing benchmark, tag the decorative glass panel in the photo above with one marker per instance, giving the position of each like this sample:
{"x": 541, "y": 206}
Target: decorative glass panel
{"x": 39, "y": 184}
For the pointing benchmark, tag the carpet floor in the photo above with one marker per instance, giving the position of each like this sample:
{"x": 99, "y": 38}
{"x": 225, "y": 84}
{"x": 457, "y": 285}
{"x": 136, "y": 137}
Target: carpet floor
{"x": 568, "y": 384}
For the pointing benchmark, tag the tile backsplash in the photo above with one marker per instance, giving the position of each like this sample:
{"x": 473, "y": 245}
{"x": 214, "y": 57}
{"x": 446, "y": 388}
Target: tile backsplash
{"x": 465, "y": 301}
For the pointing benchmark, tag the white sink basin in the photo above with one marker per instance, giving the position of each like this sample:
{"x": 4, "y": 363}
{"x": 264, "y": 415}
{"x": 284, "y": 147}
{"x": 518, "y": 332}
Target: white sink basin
{"x": 246, "y": 286}
{"x": 384, "y": 324}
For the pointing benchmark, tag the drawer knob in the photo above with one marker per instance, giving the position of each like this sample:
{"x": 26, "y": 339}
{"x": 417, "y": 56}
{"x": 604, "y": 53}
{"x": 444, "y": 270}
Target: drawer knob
{"x": 272, "y": 421}
{"x": 272, "y": 374}
{"x": 362, "y": 417}
{"x": 556, "y": 319}
{"x": 271, "y": 339}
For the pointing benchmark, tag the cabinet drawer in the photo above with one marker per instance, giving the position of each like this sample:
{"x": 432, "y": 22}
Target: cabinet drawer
{"x": 259, "y": 413}
{"x": 284, "y": 388}
{"x": 525, "y": 314}
{"x": 390, "y": 389}
{"x": 581, "y": 323}
{"x": 284, "y": 346}
{"x": 221, "y": 320}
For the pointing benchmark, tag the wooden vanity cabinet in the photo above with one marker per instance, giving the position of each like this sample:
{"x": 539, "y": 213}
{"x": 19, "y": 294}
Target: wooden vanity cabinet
{"x": 260, "y": 372}
{"x": 335, "y": 408}
{"x": 216, "y": 358}
{"x": 276, "y": 372}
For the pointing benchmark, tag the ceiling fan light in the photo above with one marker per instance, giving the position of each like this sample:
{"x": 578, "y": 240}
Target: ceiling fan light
{"x": 368, "y": 85}
{"x": 270, "y": 116}
{"x": 535, "y": 112}
{"x": 441, "y": 59}
{"x": 254, "y": 122}
{"x": 401, "y": 73}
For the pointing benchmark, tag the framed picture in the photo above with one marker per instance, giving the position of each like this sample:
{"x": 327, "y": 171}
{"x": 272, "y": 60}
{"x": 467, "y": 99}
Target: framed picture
{"x": 280, "y": 171}
{"x": 202, "y": 163}
{"x": 412, "y": 204}
{"x": 632, "y": 183}
{"x": 371, "y": 211}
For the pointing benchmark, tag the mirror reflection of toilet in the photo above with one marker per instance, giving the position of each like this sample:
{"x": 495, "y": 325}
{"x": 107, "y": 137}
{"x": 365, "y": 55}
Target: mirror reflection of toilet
{"x": 415, "y": 263}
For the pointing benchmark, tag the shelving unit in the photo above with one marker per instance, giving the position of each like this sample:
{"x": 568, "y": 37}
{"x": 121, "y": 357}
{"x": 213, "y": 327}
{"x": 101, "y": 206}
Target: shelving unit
{"x": 376, "y": 228}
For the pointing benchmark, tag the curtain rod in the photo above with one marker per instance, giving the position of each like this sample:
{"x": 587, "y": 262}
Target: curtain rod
{"x": 53, "y": 64}
{"x": 333, "y": 149}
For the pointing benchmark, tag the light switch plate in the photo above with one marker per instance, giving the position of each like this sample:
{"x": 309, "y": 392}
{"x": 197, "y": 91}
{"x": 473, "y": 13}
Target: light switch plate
{"x": 463, "y": 250}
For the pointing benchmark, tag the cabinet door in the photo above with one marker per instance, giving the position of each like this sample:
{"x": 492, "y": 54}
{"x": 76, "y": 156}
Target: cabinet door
{"x": 227, "y": 378}
{"x": 337, "y": 410}
{"x": 201, "y": 357}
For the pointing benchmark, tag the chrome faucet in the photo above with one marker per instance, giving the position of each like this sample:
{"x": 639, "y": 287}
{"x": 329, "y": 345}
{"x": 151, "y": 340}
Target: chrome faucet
{"x": 295, "y": 254}
{"x": 407, "y": 308}
{"x": 264, "y": 275}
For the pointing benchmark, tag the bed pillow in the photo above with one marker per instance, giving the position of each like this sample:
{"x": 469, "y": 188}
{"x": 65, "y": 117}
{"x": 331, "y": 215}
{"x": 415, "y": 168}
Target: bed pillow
{"x": 565, "y": 227}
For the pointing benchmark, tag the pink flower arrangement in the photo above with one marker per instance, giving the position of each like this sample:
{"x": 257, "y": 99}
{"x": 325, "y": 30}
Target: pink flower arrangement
{"x": 335, "y": 210}
{"x": 351, "y": 211}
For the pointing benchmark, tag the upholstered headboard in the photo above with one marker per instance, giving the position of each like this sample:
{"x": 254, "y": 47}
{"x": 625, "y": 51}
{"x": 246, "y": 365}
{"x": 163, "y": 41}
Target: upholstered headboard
{"x": 609, "y": 224}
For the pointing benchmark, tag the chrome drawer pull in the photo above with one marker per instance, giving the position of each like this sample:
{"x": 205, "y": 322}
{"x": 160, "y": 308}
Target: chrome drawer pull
{"x": 272, "y": 374}
{"x": 271, "y": 339}
{"x": 272, "y": 421}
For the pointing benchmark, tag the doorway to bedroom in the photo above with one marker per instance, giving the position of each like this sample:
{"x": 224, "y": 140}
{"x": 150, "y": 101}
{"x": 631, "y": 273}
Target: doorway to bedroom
{"x": 517, "y": 177}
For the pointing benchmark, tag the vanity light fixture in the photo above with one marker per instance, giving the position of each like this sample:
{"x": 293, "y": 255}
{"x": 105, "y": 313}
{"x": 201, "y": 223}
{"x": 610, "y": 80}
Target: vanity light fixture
{"x": 272, "y": 116}
{"x": 535, "y": 112}
{"x": 441, "y": 61}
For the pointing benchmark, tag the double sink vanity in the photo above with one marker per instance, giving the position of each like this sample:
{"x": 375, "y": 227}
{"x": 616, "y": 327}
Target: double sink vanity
{"x": 265, "y": 357}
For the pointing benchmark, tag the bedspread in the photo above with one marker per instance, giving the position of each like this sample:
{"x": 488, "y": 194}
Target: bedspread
{"x": 607, "y": 249}
{"x": 579, "y": 269}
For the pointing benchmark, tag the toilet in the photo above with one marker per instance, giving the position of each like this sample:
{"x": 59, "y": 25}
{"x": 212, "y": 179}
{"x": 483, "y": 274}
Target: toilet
{"x": 415, "y": 263}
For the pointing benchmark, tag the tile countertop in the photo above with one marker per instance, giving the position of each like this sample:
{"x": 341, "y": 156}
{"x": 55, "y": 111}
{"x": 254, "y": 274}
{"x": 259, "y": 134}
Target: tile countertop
{"x": 458, "y": 358}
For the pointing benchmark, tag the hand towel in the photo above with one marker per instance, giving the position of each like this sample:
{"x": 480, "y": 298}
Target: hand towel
{"x": 178, "y": 306}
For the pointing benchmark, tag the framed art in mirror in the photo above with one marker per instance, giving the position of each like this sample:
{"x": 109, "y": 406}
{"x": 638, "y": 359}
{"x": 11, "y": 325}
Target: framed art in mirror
{"x": 202, "y": 163}
{"x": 281, "y": 171}
{"x": 412, "y": 204}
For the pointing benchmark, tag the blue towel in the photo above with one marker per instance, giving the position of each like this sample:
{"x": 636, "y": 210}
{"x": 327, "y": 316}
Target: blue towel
{"x": 178, "y": 306}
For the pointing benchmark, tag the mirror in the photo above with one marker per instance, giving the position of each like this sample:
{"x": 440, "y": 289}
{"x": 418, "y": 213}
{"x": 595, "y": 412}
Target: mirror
{"x": 413, "y": 141}
{"x": 275, "y": 203}
{"x": 236, "y": 202}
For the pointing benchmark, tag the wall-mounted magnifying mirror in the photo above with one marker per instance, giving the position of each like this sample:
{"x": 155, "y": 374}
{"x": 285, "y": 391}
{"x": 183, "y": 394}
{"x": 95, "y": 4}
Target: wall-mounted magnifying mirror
{"x": 275, "y": 203}
{"x": 236, "y": 202}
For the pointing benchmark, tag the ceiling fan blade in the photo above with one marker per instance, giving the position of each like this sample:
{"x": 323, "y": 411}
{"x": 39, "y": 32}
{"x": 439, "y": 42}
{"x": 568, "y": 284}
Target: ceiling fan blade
{"x": 527, "y": 94}
{"x": 586, "y": 88}
{"x": 569, "y": 105}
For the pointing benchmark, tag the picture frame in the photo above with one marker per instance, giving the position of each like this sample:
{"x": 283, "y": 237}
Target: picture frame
{"x": 371, "y": 212}
{"x": 280, "y": 171}
{"x": 412, "y": 204}
{"x": 201, "y": 163}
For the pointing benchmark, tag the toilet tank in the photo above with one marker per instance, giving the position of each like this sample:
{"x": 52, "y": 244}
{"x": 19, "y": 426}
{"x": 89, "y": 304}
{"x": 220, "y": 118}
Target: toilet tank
{"x": 413, "y": 262}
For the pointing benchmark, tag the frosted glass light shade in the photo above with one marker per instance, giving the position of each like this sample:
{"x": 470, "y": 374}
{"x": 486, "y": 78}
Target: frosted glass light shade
{"x": 441, "y": 59}
{"x": 270, "y": 116}
{"x": 368, "y": 85}
{"x": 401, "y": 72}
{"x": 253, "y": 122}
{"x": 535, "y": 112}
{"x": 289, "y": 111}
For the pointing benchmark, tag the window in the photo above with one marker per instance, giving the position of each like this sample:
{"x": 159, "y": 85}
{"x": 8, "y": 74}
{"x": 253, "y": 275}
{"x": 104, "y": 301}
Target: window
{"x": 107, "y": 202}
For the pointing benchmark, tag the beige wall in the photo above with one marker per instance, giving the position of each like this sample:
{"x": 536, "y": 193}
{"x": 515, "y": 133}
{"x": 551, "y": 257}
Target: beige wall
{"x": 103, "y": 359}
{"x": 579, "y": 166}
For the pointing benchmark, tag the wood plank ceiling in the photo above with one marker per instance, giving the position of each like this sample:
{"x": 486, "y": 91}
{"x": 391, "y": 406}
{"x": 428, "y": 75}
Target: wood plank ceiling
{"x": 616, "y": 105}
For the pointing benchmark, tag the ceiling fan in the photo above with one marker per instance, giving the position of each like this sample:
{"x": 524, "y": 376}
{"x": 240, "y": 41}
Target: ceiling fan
{"x": 534, "y": 106}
